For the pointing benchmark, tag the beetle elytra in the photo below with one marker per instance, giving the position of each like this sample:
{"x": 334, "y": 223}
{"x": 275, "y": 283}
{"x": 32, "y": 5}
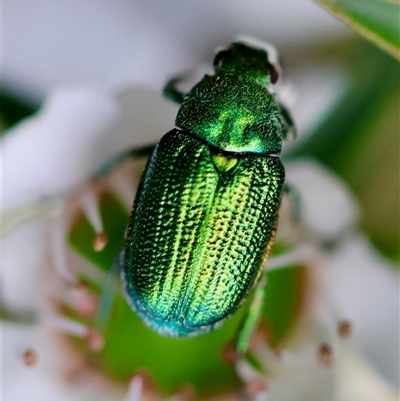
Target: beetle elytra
{"x": 206, "y": 210}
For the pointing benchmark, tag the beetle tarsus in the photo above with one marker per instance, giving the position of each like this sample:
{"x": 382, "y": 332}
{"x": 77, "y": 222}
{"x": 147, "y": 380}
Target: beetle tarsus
{"x": 290, "y": 133}
{"x": 171, "y": 91}
{"x": 252, "y": 318}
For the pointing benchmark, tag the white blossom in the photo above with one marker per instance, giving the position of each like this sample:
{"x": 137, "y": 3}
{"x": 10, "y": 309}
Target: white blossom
{"x": 79, "y": 129}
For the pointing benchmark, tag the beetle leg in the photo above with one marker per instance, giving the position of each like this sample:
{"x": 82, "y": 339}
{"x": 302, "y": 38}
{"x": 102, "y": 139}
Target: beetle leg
{"x": 295, "y": 201}
{"x": 130, "y": 154}
{"x": 251, "y": 318}
{"x": 290, "y": 132}
{"x": 171, "y": 91}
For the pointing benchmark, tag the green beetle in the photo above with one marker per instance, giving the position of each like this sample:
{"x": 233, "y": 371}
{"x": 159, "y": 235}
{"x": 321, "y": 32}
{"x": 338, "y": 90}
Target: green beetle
{"x": 206, "y": 210}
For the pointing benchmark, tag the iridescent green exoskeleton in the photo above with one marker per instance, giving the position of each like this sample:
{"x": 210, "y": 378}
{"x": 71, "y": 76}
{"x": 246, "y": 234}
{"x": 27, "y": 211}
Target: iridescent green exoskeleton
{"x": 206, "y": 210}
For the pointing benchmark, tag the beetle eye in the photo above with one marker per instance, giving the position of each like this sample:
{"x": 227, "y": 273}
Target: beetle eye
{"x": 220, "y": 57}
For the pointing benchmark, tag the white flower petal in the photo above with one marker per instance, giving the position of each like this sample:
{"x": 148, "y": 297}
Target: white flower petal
{"x": 302, "y": 376}
{"x": 45, "y": 379}
{"x": 358, "y": 381}
{"x": 62, "y": 161}
{"x": 297, "y": 373}
{"x": 318, "y": 87}
{"x": 55, "y": 150}
{"x": 145, "y": 116}
{"x": 304, "y": 379}
{"x": 365, "y": 290}
{"x": 327, "y": 206}
{"x": 23, "y": 264}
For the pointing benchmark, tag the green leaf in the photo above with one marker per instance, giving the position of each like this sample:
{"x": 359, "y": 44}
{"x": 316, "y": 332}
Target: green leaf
{"x": 359, "y": 140}
{"x": 376, "y": 20}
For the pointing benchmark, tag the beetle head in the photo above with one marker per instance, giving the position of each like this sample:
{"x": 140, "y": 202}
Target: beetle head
{"x": 246, "y": 60}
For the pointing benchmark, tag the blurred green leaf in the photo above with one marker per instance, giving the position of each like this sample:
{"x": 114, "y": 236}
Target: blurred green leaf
{"x": 13, "y": 110}
{"x": 376, "y": 20}
{"x": 359, "y": 140}
{"x": 283, "y": 301}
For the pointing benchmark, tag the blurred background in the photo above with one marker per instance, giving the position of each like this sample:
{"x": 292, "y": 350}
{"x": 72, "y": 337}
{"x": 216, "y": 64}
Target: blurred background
{"x": 106, "y": 43}
{"x": 342, "y": 89}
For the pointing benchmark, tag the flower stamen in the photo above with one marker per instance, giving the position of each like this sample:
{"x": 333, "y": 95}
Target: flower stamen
{"x": 30, "y": 357}
{"x": 325, "y": 355}
{"x": 95, "y": 339}
{"x": 256, "y": 387}
{"x": 100, "y": 241}
{"x": 90, "y": 206}
{"x": 302, "y": 254}
{"x": 344, "y": 329}
{"x": 135, "y": 389}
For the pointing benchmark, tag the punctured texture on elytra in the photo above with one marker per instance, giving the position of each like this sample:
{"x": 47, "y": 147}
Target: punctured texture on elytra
{"x": 199, "y": 232}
